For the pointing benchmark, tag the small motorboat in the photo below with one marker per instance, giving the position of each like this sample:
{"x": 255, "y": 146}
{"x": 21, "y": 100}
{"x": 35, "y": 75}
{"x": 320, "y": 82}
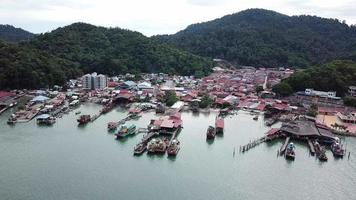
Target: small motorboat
{"x": 290, "y": 154}
{"x": 112, "y": 126}
{"x": 210, "y": 133}
{"x": 173, "y": 148}
{"x": 139, "y": 149}
{"x": 337, "y": 149}
{"x": 83, "y": 119}
{"x": 255, "y": 117}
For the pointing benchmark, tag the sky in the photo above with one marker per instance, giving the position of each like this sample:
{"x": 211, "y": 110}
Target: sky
{"x": 152, "y": 17}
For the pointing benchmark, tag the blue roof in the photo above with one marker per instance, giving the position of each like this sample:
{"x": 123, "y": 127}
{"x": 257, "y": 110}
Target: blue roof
{"x": 39, "y": 98}
{"x": 43, "y": 116}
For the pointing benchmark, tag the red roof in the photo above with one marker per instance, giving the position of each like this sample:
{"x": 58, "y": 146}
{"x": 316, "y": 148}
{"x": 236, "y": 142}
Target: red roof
{"x": 167, "y": 123}
{"x": 329, "y": 110}
{"x": 113, "y": 84}
{"x": 261, "y": 106}
{"x": 219, "y": 123}
{"x": 272, "y": 131}
{"x": 5, "y": 94}
{"x": 175, "y": 115}
{"x": 280, "y": 106}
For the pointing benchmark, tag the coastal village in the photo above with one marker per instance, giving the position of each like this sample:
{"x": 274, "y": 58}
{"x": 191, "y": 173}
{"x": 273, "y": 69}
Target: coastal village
{"x": 316, "y": 117}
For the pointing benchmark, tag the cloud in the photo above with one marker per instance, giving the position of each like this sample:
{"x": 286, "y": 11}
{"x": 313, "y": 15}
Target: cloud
{"x": 208, "y": 2}
{"x": 154, "y": 16}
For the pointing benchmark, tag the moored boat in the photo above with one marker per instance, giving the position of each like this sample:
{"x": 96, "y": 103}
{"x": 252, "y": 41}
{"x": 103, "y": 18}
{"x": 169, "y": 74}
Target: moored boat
{"x": 320, "y": 151}
{"x": 219, "y": 125}
{"x": 112, "y": 126}
{"x": 12, "y": 119}
{"x": 156, "y": 145}
{"x": 210, "y": 133}
{"x": 255, "y": 117}
{"x": 173, "y": 148}
{"x": 125, "y": 131}
{"x": 45, "y": 119}
{"x": 140, "y": 148}
{"x": 337, "y": 149}
{"x": 290, "y": 153}
{"x": 83, "y": 119}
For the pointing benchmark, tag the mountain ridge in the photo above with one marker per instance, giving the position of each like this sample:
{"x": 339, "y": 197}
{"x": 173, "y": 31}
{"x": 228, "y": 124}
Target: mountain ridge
{"x": 263, "y": 38}
{"x": 10, "y": 33}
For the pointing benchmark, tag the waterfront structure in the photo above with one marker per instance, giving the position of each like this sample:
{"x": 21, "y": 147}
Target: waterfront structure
{"x": 94, "y": 81}
{"x": 311, "y": 96}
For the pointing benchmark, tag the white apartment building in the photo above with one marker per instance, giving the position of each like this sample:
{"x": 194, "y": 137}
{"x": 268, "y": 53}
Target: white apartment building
{"x": 94, "y": 81}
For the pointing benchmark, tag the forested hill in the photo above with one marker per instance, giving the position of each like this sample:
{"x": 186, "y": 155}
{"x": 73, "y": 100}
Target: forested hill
{"x": 114, "y": 50}
{"x": 337, "y": 76}
{"x": 11, "y": 34}
{"x": 24, "y": 67}
{"x": 260, "y": 37}
{"x": 52, "y": 58}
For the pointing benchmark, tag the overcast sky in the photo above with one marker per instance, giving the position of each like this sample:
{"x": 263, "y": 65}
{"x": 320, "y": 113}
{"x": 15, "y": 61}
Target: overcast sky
{"x": 152, "y": 17}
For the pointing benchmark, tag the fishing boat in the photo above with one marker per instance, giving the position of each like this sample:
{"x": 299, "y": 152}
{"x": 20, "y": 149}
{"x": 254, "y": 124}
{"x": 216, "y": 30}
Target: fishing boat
{"x": 125, "y": 131}
{"x": 290, "y": 154}
{"x": 219, "y": 125}
{"x": 255, "y": 117}
{"x": 173, "y": 148}
{"x": 322, "y": 156}
{"x": 83, "y": 119}
{"x": 320, "y": 151}
{"x": 77, "y": 113}
{"x": 45, "y": 119}
{"x": 112, "y": 126}
{"x": 12, "y": 120}
{"x": 210, "y": 133}
{"x": 156, "y": 145}
{"x": 337, "y": 149}
{"x": 140, "y": 148}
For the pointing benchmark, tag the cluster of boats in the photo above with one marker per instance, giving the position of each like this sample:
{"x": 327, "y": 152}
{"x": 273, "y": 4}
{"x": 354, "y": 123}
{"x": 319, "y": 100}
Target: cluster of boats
{"x": 158, "y": 146}
{"x": 336, "y": 148}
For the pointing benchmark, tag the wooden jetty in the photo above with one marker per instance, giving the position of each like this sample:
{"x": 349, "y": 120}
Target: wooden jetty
{"x": 284, "y": 146}
{"x": 311, "y": 147}
{"x": 252, "y": 144}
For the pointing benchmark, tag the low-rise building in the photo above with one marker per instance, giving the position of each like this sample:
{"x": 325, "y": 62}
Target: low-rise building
{"x": 352, "y": 91}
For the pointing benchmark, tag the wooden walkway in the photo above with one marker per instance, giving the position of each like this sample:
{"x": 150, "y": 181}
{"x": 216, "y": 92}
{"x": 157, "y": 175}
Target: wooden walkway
{"x": 252, "y": 144}
{"x": 311, "y": 147}
{"x": 284, "y": 146}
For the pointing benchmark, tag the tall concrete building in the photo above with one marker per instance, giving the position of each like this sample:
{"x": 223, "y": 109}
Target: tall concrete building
{"x": 94, "y": 81}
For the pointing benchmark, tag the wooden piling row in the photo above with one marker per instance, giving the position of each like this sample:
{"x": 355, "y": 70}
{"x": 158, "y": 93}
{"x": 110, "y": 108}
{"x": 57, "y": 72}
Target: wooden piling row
{"x": 252, "y": 144}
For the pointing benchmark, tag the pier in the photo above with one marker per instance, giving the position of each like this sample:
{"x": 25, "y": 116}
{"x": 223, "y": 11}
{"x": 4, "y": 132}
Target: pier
{"x": 311, "y": 147}
{"x": 284, "y": 146}
{"x": 252, "y": 144}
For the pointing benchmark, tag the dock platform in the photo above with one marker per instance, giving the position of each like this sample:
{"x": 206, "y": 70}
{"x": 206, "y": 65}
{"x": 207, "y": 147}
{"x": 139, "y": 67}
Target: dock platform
{"x": 284, "y": 146}
{"x": 311, "y": 147}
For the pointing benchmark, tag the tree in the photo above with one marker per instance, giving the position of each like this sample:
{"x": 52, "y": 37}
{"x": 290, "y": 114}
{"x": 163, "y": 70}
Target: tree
{"x": 169, "y": 98}
{"x": 350, "y": 101}
{"x": 312, "y": 111}
{"x": 283, "y": 89}
{"x": 259, "y": 89}
{"x": 205, "y": 102}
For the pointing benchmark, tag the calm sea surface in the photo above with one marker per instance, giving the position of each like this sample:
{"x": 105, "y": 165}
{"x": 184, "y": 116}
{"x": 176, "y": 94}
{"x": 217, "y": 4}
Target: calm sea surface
{"x": 70, "y": 162}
